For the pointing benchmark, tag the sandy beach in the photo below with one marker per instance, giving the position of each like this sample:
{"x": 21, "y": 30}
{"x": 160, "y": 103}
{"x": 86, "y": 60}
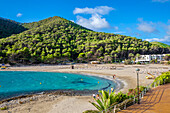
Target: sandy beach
{"x": 125, "y": 76}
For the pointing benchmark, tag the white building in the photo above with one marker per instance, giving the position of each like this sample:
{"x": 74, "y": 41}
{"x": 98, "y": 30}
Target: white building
{"x": 148, "y": 58}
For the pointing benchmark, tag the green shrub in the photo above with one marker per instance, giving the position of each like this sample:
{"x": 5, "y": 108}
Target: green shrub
{"x": 105, "y": 102}
{"x": 130, "y": 90}
{"x": 84, "y": 61}
{"x": 162, "y": 62}
{"x": 134, "y": 92}
{"x": 168, "y": 62}
{"x": 141, "y": 88}
{"x": 127, "y": 62}
{"x": 154, "y": 61}
{"x": 138, "y": 63}
{"x": 120, "y": 97}
{"x": 165, "y": 76}
{"x": 91, "y": 111}
{"x": 4, "y": 108}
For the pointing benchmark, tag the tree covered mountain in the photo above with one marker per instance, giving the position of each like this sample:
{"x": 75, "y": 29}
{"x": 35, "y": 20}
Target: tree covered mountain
{"x": 49, "y": 20}
{"x": 161, "y": 44}
{"x": 56, "y": 39}
{"x": 9, "y": 27}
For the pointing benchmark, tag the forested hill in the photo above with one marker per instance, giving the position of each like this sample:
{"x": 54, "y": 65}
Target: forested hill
{"x": 54, "y": 19}
{"x": 161, "y": 44}
{"x": 9, "y": 27}
{"x": 55, "y": 39}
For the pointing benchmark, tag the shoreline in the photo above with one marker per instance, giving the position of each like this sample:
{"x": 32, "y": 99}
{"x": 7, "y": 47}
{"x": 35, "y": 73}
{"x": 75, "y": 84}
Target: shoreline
{"x": 67, "y": 92}
{"x": 76, "y": 103}
{"x": 26, "y": 98}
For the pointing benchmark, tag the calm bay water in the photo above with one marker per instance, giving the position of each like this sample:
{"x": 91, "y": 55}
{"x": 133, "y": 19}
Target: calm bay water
{"x": 13, "y": 83}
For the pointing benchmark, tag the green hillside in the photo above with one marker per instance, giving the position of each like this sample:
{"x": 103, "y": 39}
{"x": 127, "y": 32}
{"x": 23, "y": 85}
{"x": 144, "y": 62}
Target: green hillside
{"x": 161, "y": 44}
{"x": 9, "y": 27}
{"x": 47, "y": 21}
{"x": 56, "y": 39}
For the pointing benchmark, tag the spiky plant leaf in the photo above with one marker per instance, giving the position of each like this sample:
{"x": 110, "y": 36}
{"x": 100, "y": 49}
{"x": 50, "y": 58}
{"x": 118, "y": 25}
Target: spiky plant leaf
{"x": 98, "y": 107}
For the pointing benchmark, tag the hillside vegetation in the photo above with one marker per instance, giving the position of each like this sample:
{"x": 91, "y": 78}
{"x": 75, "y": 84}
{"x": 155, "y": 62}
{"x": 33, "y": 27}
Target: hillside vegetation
{"x": 161, "y": 44}
{"x": 55, "y": 39}
{"x": 9, "y": 27}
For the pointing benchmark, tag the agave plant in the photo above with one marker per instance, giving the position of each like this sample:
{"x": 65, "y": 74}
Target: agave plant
{"x": 106, "y": 101}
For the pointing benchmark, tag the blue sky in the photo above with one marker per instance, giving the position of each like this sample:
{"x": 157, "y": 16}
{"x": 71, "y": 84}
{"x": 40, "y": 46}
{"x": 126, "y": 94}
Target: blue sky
{"x": 145, "y": 19}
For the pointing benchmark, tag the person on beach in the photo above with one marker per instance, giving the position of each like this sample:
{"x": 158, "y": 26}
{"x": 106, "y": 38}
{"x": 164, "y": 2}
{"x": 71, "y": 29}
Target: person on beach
{"x": 112, "y": 90}
{"x": 97, "y": 96}
{"x": 72, "y": 67}
{"x": 114, "y": 76}
{"x": 94, "y": 96}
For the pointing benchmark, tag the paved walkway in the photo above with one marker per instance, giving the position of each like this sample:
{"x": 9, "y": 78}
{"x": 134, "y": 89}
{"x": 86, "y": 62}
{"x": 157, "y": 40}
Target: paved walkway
{"x": 155, "y": 101}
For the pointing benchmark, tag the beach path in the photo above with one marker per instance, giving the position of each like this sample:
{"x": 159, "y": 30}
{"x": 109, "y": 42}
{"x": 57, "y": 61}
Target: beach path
{"x": 155, "y": 101}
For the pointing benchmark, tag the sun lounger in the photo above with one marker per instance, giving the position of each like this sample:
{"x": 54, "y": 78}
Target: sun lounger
{"x": 150, "y": 76}
{"x": 113, "y": 67}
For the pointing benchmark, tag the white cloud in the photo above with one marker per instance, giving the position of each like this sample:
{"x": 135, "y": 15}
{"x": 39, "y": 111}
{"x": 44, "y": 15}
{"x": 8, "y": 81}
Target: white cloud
{"x": 72, "y": 21}
{"x": 19, "y": 15}
{"x": 97, "y": 10}
{"x": 116, "y": 28}
{"x": 168, "y": 30}
{"x": 166, "y": 27}
{"x": 94, "y": 22}
{"x": 146, "y": 26}
{"x": 169, "y": 21}
{"x": 119, "y": 32}
{"x": 164, "y": 39}
{"x": 151, "y": 29}
{"x": 162, "y": 1}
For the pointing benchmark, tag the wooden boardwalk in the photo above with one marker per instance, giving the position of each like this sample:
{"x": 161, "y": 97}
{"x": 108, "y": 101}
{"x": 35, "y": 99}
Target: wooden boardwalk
{"x": 155, "y": 101}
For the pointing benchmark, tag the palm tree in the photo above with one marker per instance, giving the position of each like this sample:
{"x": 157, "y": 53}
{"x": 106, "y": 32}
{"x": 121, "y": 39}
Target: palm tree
{"x": 106, "y": 101}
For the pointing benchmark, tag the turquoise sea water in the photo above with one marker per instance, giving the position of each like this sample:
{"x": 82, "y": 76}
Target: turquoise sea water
{"x": 13, "y": 83}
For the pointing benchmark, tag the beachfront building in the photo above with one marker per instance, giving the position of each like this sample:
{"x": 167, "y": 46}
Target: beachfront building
{"x": 148, "y": 58}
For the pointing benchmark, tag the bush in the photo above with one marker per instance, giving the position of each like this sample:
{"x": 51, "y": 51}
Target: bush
{"x": 141, "y": 88}
{"x": 165, "y": 76}
{"x": 138, "y": 63}
{"x": 167, "y": 57}
{"x": 91, "y": 111}
{"x": 168, "y": 62}
{"x": 127, "y": 62}
{"x": 162, "y": 62}
{"x": 84, "y": 61}
{"x": 130, "y": 90}
{"x": 134, "y": 92}
{"x": 120, "y": 97}
{"x": 154, "y": 61}
{"x": 4, "y": 108}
